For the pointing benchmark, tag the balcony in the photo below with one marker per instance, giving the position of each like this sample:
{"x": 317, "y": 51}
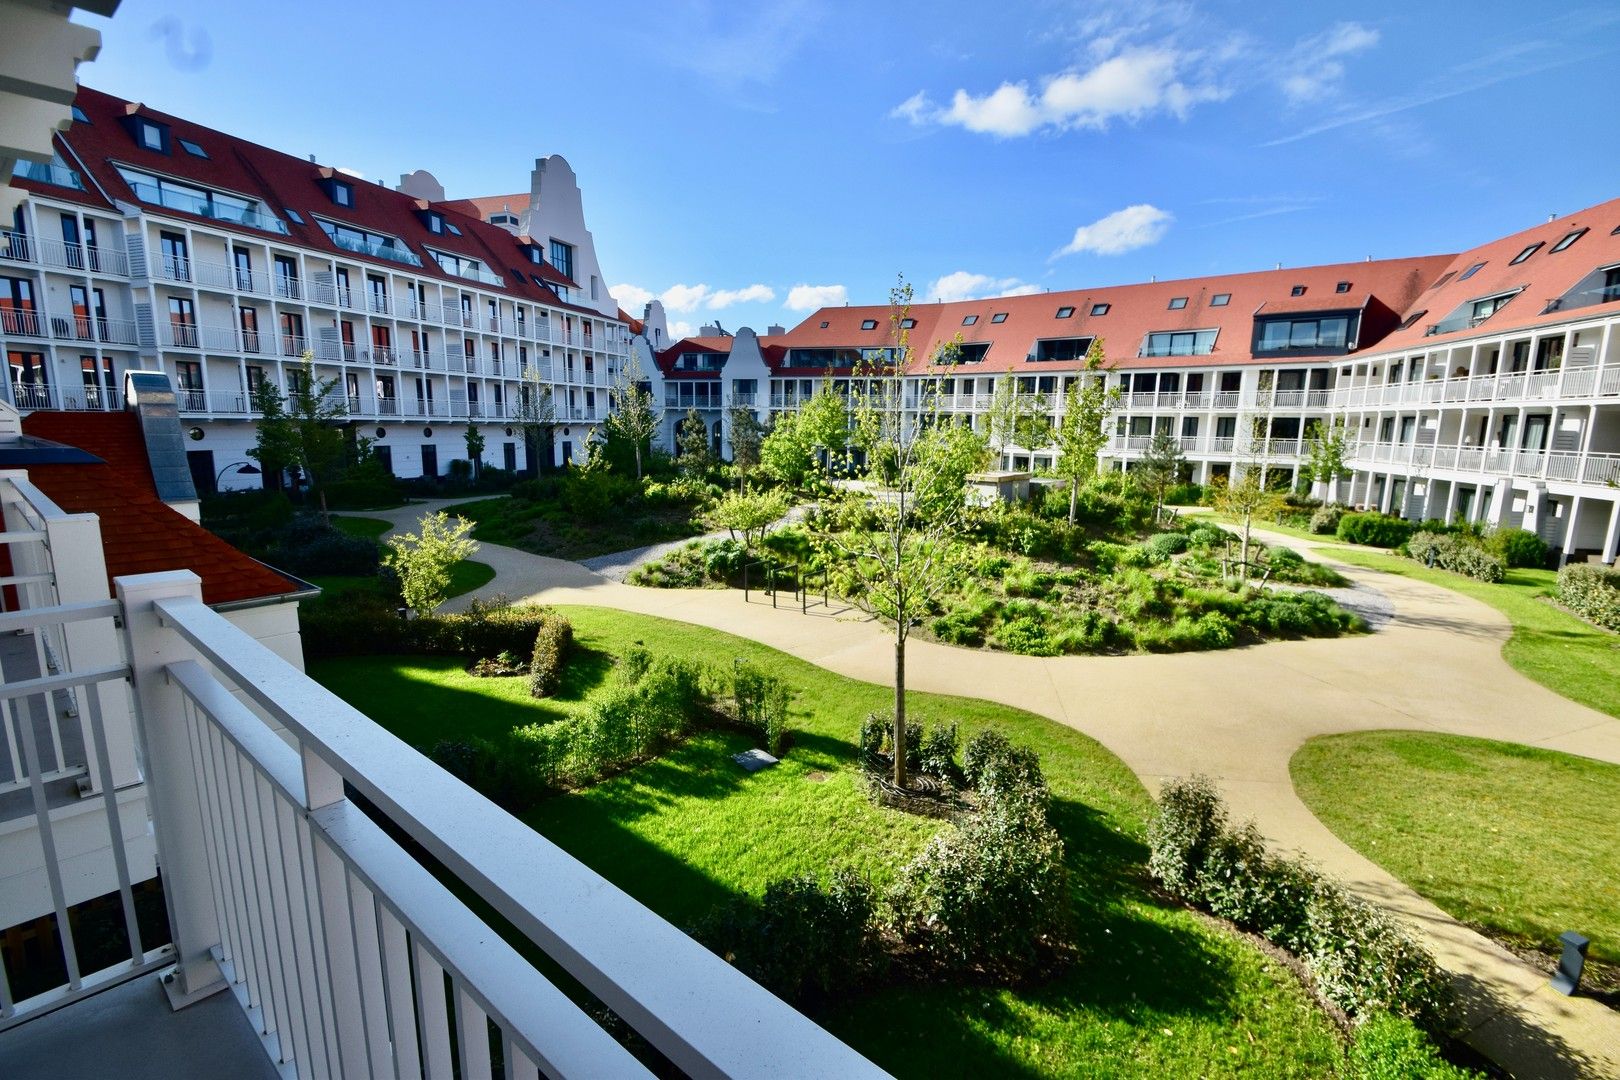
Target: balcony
{"x": 373, "y": 248}
{"x": 48, "y": 172}
{"x": 22, "y": 322}
{"x": 1598, "y": 470}
{"x": 20, "y": 247}
{"x": 204, "y": 207}
{"x": 29, "y": 396}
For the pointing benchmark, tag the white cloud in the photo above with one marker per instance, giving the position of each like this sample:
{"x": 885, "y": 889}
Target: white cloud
{"x": 633, "y": 298}
{"x": 748, "y": 294}
{"x": 356, "y": 173}
{"x": 1318, "y": 68}
{"x": 684, "y": 297}
{"x": 1123, "y": 230}
{"x": 1136, "y": 83}
{"x": 680, "y": 329}
{"x": 810, "y": 297}
{"x": 961, "y": 285}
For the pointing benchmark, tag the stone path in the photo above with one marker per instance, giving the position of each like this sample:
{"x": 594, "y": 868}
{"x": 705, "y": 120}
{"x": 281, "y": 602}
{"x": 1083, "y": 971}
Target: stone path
{"x": 1237, "y": 716}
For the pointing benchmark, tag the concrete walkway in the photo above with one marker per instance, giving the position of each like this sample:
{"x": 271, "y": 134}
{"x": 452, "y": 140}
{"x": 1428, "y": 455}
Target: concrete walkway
{"x": 1237, "y": 716}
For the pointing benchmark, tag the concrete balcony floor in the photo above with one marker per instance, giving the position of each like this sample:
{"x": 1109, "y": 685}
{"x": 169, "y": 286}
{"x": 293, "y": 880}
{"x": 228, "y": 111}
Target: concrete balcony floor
{"x": 130, "y": 1032}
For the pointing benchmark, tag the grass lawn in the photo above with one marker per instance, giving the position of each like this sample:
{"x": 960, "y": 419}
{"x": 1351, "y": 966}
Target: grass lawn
{"x": 547, "y": 528}
{"x": 1517, "y": 841}
{"x": 370, "y": 528}
{"x": 1157, "y": 990}
{"x": 1561, "y": 652}
{"x": 1269, "y": 526}
{"x": 465, "y": 576}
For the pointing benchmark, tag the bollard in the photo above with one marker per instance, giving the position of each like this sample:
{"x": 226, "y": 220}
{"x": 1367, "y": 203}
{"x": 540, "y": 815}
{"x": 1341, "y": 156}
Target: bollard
{"x": 1567, "y": 979}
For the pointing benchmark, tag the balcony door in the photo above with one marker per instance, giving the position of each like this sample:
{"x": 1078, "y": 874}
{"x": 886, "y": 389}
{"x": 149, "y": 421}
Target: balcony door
{"x": 176, "y": 261}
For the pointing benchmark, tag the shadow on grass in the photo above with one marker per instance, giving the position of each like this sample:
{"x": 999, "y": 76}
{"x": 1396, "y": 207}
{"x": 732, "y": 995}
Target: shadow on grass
{"x": 587, "y": 669}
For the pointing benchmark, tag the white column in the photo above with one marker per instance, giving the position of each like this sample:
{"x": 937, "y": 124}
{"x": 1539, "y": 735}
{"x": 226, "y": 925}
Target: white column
{"x": 1501, "y": 502}
{"x": 1613, "y": 533}
{"x": 1451, "y": 501}
{"x": 1535, "y": 502}
{"x": 172, "y": 783}
{"x": 1569, "y": 529}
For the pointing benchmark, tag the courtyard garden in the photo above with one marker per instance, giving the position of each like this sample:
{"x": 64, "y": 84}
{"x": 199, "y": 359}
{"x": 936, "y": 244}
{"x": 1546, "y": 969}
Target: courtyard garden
{"x": 1116, "y": 978}
{"x": 1488, "y": 831}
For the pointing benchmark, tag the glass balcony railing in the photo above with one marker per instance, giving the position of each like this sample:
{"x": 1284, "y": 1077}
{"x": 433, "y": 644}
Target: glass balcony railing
{"x": 375, "y": 249}
{"x": 206, "y": 207}
{"x": 48, "y": 172}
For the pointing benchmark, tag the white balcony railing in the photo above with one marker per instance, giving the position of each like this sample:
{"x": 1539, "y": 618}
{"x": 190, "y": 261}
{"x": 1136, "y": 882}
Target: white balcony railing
{"x": 45, "y": 251}
{"x": 1566, "y": 466}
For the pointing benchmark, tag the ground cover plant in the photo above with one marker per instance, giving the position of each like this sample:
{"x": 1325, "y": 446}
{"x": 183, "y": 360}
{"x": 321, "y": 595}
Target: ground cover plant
{"x": 1515, "y": 841}
{"x": 1155, "y": 990}
{"x": 1566, "y": 654}
{"x": 1025, "y": 580}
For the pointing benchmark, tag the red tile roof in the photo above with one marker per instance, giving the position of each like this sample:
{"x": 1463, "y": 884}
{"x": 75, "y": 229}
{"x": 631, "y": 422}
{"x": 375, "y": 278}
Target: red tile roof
{"x": 140, "y": 533}
{"x": 1543, "y": 277}
{"x": 281, "y": 181}
{"x": 485, "y": 205}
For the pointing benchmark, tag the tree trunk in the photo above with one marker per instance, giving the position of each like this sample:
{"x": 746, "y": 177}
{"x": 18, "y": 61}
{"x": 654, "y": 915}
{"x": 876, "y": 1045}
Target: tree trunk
{"x": 326, "y": 515}
{"x": 638, "y": 461}
{"x": 900, "y": 710}
{"x": 1074, "y": 497}
{"x": 1243, "y": 554}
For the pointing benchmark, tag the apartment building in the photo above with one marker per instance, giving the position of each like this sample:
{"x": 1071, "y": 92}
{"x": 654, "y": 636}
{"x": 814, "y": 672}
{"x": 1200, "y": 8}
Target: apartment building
{"x": 153, "y": 243}
{"x": 1483, "y": 385}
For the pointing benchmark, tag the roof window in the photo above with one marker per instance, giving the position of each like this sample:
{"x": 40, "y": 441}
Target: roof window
{"x": 907, "y": 324}
{"x": 193, "y": 149}
{"x": 1569, "y": 238}
{"x": 1471, "y": 271}
{"x": 1099, "y": 309}
{"x": 297, "y": 219}
{"x": 79, "y": 117}
{"x": 999, "y": 317}
{"x": 1526, "y": 253}
{"x": 1445, "y": 277}
{"x": 868, "y": 324}
{"x": 969, "y": 320}
{"x": 1065, "y": 311}
{"x": 450, "y": 225}
{"x": 1177, "y": 303}
{"x": 1220, "y": 299}
{"x": 1342, "y": 287}
{"x": 1297, "y": 290}
{"x": 824, "y": 324}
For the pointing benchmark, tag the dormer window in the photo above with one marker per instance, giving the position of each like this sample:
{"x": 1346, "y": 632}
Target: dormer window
{"x": 343, "y": 193}
{"x": 150, "y": 136}
{"x": 433, "y": 221}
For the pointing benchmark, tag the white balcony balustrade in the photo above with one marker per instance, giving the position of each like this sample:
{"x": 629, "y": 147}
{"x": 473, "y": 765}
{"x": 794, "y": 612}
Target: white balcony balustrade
{"x": 1598, "y": 469}
{"x": 57, "y": 254}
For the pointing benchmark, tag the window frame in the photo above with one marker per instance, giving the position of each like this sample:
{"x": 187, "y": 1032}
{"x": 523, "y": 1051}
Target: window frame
{"x": 1099, "y": 309}
{"x": 1220, "y": 299}
{"x": 1177, "y": 303}
{"x": 1065, "y": 312}
{"x": 1527, "y": 252}
{"x": 1568, "y": 240}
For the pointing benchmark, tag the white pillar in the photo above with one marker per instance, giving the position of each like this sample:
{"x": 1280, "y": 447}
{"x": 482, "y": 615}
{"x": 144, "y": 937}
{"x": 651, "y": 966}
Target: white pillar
{"x": 1501, "y": 502}
{"x": 1613, "y": 533}
{"x": 1569, "y": 529}
{"x": 172, "y": 782}
{"x": 1451, "y": 501}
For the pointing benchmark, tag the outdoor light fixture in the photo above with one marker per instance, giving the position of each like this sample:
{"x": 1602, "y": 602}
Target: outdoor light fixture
{"x": 1567, "y": 979}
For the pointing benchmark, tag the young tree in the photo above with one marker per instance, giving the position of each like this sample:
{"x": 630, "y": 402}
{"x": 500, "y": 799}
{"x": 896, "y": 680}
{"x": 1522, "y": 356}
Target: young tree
{"x": 475, "y": 448}
{"x": 1083, "y": 431}
{"x": 1016, "y": 418}
{"x": 633, "y": 415}
{"x": 1326, "y": 450}
{"x": 692, "y": 444}
{"x": 304, "y": 429}
{"x": 1161, "y": 467}
{"x": 750, "y": 513}
{"x": 1247, "y": 496}
{"x": 424, "y": 560}
{"x": 823, "y": 423}
{"x": 899, "y": 539}
{"x": 536, "y": 416}
{"x": 745, "y": 433}
{"x": 786, "y": 452}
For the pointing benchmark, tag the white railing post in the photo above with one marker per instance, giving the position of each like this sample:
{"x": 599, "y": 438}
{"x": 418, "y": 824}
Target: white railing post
{"x": 172, "y": 792}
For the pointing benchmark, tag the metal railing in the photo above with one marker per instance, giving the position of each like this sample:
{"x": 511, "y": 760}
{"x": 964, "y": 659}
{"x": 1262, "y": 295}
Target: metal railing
{"x": 20, "y": 247}
{"x": 1569, "y": 466}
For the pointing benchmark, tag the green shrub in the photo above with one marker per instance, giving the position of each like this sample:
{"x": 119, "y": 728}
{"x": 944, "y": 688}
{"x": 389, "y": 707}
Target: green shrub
{"x": 761, "y": 703}
{"x": 1024, "y": 634}
{"x": 996, "y": 767}
{"x": 1206, "y": 535}
{"x": 1386, "y": 1047}
{"x": 1592, "y": 592}
{"x": 1459, "y": 553}
{"x": 355, "y": 630}
{"x": 1362, "y": 961}
{"x": 1188, "y": 494}
{"x": 1283, "y": 559}
{"x": 1190, "y": 820}
{"x": 988, "y": 896}
{"x": 806, "y": 942}
{"x": 1516, "y": 547}
{"x": 937, "y": 752}
{"x": 489, "y": 629}
{"x": 724, "y": 559}
{"x": 1166, "y": 544}
{"x": 1373, "y": 529}
{"x": 482, "y": 765}
{"x": 1325, "y": 520}
{"x": 552, "y": 644}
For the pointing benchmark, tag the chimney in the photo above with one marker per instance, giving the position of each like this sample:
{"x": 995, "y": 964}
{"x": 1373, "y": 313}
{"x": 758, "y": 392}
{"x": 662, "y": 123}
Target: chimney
{"x": 1553, "y": 216}
{"x": 774, "y": 330}
{"x": 312, "y": 159}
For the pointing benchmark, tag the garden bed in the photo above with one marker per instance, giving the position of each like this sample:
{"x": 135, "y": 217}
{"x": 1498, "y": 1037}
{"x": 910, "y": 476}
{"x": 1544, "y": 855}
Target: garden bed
{"x": 573, "y": 518}
{"x": 1156, "y": 990}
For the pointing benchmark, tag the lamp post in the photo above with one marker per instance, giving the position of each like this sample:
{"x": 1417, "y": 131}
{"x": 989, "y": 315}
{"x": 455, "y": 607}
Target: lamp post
{"x": 243, "y": 468}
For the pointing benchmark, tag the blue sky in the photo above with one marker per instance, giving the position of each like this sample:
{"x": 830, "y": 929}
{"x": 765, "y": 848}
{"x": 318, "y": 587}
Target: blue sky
{"x": 745, "y": 160}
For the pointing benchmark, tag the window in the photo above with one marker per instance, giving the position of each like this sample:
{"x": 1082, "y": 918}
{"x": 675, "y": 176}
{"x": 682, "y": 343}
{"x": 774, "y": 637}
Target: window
{"x": 454, "y": 231}
{"x": 1297, "y": 290}
{"x": 434, "y": 222}
{"x": 1061, "y": 349}
{"x": 1569, "y": 238}
{"x": 868, "y": 324}
{"x": 908, "y": 324}
{"x": 342, "y": 193}
{"x": 562, "y": 257}
{"x": 824, "y": 324}
{"x": 293, "y": 215}
{"x": 1412, "y": 318}
{"x": 79, "y": 117}
{"x": 1180, "y": 343}
{"x": 1177, "y": 303}
{"x": 175, "y": 263}
{"x": 286, "y": 277}
{"x": 204, "y": 202}
{"x": 1065, "y": 312}
{"x": 243, "y": 260}
{"x": 1484, "y": 309}
{"x": 1278, "y": 335}
{"x": 192, "y": 148}
{"x": 149, "y": 135}
{"x": 182, "y": 322}
{"x": 1342, "y": 287}
{"x": 1220, "y": 299}
{"x": 969, "y": 320}
{"x": 292, "y": 333}
{"x": 971, "y": 353}
{"x": 999, "y": 317}
{"x": 1099, "y": 309}
{"x": 1471, "y": 271}
{"x": 1526, "y": 253}
{"x": 249, "y": 319}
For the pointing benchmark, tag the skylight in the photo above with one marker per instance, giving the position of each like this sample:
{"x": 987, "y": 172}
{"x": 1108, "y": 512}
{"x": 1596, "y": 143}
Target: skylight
{"x": 868, "y": 324}
{"x": 1569, "y": 238}
{"x": 1471, "y": 271}
{"x": 293, "y": 214}
{"x": 1064, "y": 312}
{"x": 907, "y": 324}
{"x": 1099, "y": 309}
{"x": 454, "y": 231}
{"x": 79, "y": 117}
{"x": 192, "y": 148}
{"x": 1220, "y": 299}
{"x": 1342, "y": 287}
{"x": 999, "y": 317}
{"x": 1177, "y": 303}
{"x": 1526, "y": 253}
{"x": 969, "y": 320}
{"x": 1297, "y": 290}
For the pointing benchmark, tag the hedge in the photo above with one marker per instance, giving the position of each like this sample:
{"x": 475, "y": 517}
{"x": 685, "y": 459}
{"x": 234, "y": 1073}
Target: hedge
{"x": 552, "y": 644}
{"x": 482, "y": 632}
{"x": 1374, "y": 529}
{"x": 1458, "y": 552}
{"x": 1592, "y": 592}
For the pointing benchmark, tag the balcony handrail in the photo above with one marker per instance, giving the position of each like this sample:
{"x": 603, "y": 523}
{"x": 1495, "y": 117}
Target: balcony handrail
{"x": 190, "y": 204}
{"x": 695, "y": 1008}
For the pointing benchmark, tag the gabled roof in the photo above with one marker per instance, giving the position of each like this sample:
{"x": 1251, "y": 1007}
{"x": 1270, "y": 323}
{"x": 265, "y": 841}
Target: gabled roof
{"x": 1543, "y": 277}
{"x": 485, "y": 205}
{"x": 281, "y": 181}
{"x": 140, "y": 533}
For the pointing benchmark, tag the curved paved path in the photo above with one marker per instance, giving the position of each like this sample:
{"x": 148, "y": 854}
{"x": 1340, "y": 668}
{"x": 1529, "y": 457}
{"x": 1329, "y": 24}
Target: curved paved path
{"x": 1237, "y": 716}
